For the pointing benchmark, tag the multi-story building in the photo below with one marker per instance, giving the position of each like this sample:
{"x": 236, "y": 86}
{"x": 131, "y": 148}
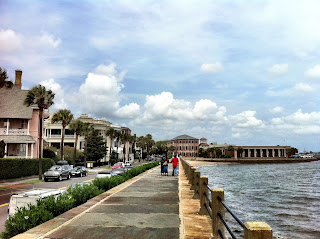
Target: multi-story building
{"x": 53, "y": 134}
{"x": 184, "y": 145}
{"x": 19, "y": 124}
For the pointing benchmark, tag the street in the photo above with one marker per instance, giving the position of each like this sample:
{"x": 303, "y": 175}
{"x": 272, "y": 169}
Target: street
{"x": 6, "y": 194}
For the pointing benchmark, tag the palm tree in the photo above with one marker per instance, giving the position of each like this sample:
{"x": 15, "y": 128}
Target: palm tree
{"x": 65, "y": 117}
{"x": 77, "y": 127}
{"x": 86, "y": 129}
{"x": 117, "y": 136}
{"x": 240, "y": 150}
{"x": 111, "y": 134}
{"x": 39, "y": 96}
{"x": 125, "y": 137}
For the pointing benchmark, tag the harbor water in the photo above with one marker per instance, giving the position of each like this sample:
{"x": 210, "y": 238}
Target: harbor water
{"x": 286, "y": 196}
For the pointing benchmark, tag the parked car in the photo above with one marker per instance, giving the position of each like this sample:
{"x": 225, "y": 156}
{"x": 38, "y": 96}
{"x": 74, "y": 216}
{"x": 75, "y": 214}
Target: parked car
{"x": 127, "y": 164}
{"x": 58, "y": 172}
{"x": 117, "y": 172}
{"x": 103, "y": 174}
{"x": 118, "y": 165}
{"x": 79, "y": 171}
{"x": 23, "y": 199}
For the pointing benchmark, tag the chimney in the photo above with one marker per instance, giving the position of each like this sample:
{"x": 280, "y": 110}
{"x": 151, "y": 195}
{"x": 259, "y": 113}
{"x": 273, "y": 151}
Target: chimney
{"x": 18, "y": 78}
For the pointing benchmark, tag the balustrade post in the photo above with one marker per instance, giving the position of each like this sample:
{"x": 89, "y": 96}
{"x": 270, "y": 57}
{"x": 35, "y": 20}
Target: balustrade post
{"x": 257, "y": 230}
{"x": 203, "y": 192}
{"x": 192, "y": 169}
{"x": 196, "y": 185}
{"x": 217, "y": 207}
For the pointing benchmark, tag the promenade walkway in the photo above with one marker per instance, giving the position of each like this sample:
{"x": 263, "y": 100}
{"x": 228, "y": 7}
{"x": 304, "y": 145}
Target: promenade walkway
{"x": 146, "y": 206}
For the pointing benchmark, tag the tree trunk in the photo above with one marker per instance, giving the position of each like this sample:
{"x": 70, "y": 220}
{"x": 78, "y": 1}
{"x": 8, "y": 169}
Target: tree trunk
{"x": 75, "y": 151}
{"x": 62, "y": 141}
{"x": 85, "y": 150}
{"x": 40, "y": 142}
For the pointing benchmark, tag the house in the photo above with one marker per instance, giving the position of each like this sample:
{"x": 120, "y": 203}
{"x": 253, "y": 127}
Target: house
{"x": 19, "y": 124}
{"x": 184, "y": 145}
{"x": 53, "y": 134}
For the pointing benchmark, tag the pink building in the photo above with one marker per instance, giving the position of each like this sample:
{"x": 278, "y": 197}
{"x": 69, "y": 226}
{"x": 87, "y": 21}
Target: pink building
{"x": 19, "y": 124}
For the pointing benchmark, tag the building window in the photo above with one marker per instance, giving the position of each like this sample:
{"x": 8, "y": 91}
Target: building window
{"x": 81, "y": 144}
{"x": 24, "y": 124}
{"x": 196, "y": 147}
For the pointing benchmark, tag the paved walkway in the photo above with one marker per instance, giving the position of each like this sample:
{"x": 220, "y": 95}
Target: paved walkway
{"x": 146, "y": 206}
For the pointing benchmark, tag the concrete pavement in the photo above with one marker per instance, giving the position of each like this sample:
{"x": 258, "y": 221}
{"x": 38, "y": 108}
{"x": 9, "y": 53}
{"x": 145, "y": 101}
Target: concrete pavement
{"x": 146, "y": 206}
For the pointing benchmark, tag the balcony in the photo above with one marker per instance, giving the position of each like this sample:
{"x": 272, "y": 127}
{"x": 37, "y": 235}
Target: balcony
{"x": 57, "y": 136}
{"x": 3, "y": 131}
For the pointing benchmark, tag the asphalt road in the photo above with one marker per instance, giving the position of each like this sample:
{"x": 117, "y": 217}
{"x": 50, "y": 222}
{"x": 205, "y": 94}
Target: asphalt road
{"x": 6, "y": 194}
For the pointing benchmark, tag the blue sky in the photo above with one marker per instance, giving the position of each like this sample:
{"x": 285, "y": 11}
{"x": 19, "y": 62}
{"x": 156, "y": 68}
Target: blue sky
{"x": 238, "y": 72}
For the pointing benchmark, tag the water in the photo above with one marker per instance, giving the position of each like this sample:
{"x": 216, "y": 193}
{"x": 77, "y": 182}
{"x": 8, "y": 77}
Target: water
{"x": 286, "y": 196}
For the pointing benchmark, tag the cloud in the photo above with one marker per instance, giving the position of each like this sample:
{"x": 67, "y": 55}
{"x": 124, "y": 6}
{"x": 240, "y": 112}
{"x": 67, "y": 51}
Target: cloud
{"x": 246, "y": 119}
{"x": 59, "y": 98}
{"x": 212, "y": 68}
{"x": 10, "y": 41}
{"x": 279, "y": 69}
{"x": 302, "y": 87}
{"x": 313, "y": 73}
{"x": 299, "y": 123}
{"x": 276, "y": 110}
{"x": 100, "y": 94}
{"x": 49, "y": 40}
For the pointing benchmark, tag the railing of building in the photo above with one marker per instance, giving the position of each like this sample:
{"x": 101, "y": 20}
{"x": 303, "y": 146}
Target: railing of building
{"x": 4, "y": 131}
{"x": 215, "y": 206}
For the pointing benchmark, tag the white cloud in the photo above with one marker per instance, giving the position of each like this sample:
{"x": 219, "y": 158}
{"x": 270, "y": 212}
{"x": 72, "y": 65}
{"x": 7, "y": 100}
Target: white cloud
{"x": 246, "y": 119}
{"x": 313, "y": 72}
{"x": 212, "y": 68}
{"x": 236, "y": 135}
{"x": 303, "y": 88}
{"x": 100, "y": 94}
{"x": 59, "y": 98}
{"x": 9, "y": 40}
{"x": 279, "y": 69}
{"x": 299, "y": 123}
{"x": 48, "y": 40}
{"x": 276, "y": 110}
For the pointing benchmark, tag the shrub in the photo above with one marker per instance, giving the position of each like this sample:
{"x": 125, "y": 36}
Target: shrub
{"x": 22, "y": 167}
{"x": 68, "y": 154}
{"x": 59, "y": 205}
{"x": 83, "y": 192}
{"x": 49, "y": 153}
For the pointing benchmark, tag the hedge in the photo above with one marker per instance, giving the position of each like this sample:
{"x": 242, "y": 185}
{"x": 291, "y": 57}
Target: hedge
{"x": 16, "y": 168}
{"x": 28, "y": 217}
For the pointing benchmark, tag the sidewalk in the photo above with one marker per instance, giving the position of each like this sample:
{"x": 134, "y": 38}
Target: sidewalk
{"x": 146, "y": 206}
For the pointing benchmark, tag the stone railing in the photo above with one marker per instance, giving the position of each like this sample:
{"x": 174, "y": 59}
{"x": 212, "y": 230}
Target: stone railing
{"x": 216, "y": 208}
{"x": 3, "y": 131}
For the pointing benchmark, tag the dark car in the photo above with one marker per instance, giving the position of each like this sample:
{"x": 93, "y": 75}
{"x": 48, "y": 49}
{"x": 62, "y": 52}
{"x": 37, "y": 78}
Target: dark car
{"x": 57, "y": 172}
{"x": 79, "y": 171}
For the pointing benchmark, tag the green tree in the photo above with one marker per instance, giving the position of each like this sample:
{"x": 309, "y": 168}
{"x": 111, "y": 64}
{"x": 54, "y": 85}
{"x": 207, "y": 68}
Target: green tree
{"x": 161, "y": 147}
{"x": 3, "y": 79}
{"x": 211, "y": 152}
{"x": 96, "y": 146}
{"x": 146, "y": 143}
{"x": 117, "y": 137}
{"x": 292, "y": 151}
{"x": 39, "y": 96}
{"x": 2, "y": 148}
{"x": 65, "y": 117}
{"x": 111, "y": 134}
{"x": 240, "y": 151}
{"x": 125, "y": 137}
{"x": 86, "y": 129}
{"x": 218, "y": 152}
{"x": 77, "y": 127}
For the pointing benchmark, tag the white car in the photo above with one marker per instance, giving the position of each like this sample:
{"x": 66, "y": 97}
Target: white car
{"x": 127, "y": 164}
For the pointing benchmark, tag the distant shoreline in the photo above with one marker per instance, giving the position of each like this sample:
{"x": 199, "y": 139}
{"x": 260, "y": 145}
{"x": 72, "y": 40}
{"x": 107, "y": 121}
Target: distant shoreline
{"x": 209, "y": 161}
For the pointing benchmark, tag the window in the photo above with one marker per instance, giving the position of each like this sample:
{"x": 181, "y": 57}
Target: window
{"x": 81, "y": 144}
{"x": 24, "y": 124}
{"x": 196, "y": 148}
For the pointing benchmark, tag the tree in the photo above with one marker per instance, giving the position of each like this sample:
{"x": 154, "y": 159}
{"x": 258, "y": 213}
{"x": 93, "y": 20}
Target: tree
{"x": 292, "y": 151}
{"x": 117, "y": 136}
{"x": 111, "y": 134}
{"x": 2, "y": 149}
{"x": 240, "y": 150}
{"x": 86, "y": 129}
{"x": 65, "y": 117}
{"x": 146, "y": 142}
{"x": 3, "y": 79}
{"x": 125, "y": 137}
{"x": 76, "y": 126}
{"x": 39, "y": 96}
{"x": 161, "y": 147}
{"x": 96, "y": 146}
{"x": 211, "y": 151}
{"x": 218, "y": 152}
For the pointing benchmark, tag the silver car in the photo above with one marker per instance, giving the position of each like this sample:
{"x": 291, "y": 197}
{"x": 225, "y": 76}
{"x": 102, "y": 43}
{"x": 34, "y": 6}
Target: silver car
{"x": 57, "y": 172}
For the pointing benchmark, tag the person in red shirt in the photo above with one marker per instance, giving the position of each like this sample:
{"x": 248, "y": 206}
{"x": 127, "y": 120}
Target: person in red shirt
{"x": 174, "y": 162}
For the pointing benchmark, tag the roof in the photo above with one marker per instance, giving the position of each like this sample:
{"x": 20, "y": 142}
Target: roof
{"x": 184, "y": 136}
{"x": 11, "y": 104}
{"x": 17, "y": 138}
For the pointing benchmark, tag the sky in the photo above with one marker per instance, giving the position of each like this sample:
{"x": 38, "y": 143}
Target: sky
{"x": 237, "y": 72}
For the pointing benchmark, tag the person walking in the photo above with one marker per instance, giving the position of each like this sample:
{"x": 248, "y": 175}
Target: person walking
{"x": 165, "y": 167}
{"x": 174, "y": 162}
{"x": 161, "y": 163}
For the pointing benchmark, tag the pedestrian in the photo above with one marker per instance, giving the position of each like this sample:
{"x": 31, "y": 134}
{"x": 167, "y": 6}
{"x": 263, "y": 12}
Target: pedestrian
{"x": 174, "y": 162}
{"x": 161, "y": 163}
{"x": 165, "y": 167}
